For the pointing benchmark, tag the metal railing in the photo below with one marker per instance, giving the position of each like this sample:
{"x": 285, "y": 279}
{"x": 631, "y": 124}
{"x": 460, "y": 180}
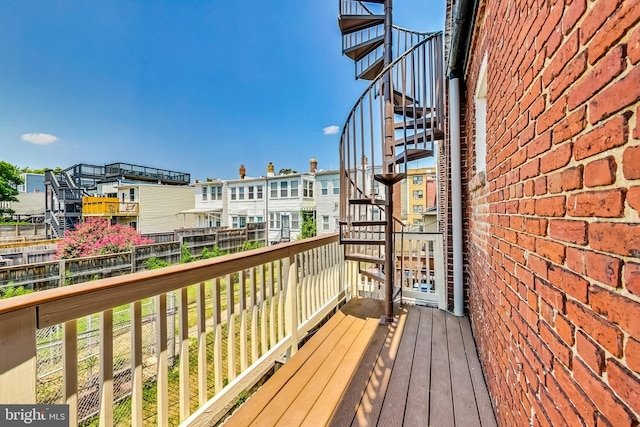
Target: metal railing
{"x": 241, "y": 313}
{"x": 417, "y": 88}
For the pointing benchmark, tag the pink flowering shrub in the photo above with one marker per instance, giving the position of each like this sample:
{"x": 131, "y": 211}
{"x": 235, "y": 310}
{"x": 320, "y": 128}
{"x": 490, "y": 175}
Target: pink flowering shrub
{"x": 96, "y": 236}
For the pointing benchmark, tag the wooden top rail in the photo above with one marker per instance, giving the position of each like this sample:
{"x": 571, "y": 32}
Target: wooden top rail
{"x": 59, "y": 305}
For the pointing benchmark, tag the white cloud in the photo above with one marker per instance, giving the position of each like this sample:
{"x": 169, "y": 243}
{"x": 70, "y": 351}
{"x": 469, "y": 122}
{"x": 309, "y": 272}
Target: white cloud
{"x": 331, "y": 130}
{"x": 39, "y": 138}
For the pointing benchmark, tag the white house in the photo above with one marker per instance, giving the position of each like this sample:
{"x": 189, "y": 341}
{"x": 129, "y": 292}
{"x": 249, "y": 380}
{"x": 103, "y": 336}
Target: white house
{"x": 247, "y": 201}
{"x": 289, "y": 197}
{"x": 327, "y": 195}
{"x": 210, "y": 204}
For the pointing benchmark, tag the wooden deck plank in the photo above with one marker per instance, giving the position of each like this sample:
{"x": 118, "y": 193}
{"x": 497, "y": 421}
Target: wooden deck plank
{"x": 464, "y": 402}
{"x": 247, "y": 412}
{"x": 441, "y": 403}
{"x": 395, "y": 399}
{"x": 371, "y": 404}
{"x": 483, "y": 401}
{"x": 334, "y": 392}
{"x": 286, "y": 394}
{"x": 331, "y": 377}
{"x": 417, "y": 410}
{"x": 343, "y": 415}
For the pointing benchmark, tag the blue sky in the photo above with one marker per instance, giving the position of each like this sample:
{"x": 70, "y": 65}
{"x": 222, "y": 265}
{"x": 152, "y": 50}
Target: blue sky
{"x": 193, "y": 86}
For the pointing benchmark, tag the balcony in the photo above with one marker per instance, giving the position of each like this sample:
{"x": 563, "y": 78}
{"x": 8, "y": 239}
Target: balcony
{"x": 108, "y": 207}
{"x": 186, "y": 344}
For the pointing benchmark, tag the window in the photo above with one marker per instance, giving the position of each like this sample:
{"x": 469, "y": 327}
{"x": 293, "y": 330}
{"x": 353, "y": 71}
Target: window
{"x": 259, "y": 192}
{"x": 240, "y": 193}
{"x": 132, "y": 195}
{"x": 418, "y": 194}
{"x": 234, "y": 221}
{"x": 259, "y": 219}
{"x": 250, "y": 190}
{"x": 336, "y": 187}
{"x": 274, "y": 220}
{"x": 417, "y": 180}
{"x": 274, "y": 190}
{"x": 284, "y": 189}
{"x": 233, "y": 193}
{"x": 325, "y": 222}
{"x": 242, "y": 221}
{"x": 294, "y": 188}
{"x": 307, "y": 189}
{"x": 481, "y": 118}
{"x": 216, "y": 193}
{"x": 325, "y": 188}
{"x": 204, "y": 193}
{"x": 295, "y": 220}
{"x": 417, "y": 208}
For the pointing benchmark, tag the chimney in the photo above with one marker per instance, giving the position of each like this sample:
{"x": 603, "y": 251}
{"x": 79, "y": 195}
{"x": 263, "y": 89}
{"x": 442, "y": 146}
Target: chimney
{"x": 270, "y": 169}
{"x": 313, "y": 165}
{"x": 242, "y": 172}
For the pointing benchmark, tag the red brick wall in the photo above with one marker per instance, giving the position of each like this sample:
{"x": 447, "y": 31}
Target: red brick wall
{"x": 553, "y": 237}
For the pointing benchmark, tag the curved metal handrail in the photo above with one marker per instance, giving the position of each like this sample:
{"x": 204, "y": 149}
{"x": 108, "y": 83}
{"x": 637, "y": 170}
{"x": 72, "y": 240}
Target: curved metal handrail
{"x": 377, "y": 79}
{"x": 354, "y": 130}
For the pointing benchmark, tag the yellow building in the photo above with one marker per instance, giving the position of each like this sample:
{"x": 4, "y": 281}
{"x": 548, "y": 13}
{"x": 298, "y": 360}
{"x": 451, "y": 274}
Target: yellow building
{"x": 420, "y": 198}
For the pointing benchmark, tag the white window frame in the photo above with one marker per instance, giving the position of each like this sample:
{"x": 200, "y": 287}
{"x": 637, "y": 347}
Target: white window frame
{"x": 481, "y": 118}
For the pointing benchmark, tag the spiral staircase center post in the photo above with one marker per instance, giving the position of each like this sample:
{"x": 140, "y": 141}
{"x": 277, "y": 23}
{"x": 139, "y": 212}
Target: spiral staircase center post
{"x": 389, "y": 266}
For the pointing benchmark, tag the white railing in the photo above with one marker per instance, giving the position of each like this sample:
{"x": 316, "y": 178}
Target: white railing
{"x": 420, "y": 264}
{"x": 236, "y": 316}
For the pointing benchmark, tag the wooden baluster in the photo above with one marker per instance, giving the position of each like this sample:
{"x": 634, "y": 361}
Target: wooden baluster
{"x": 136, "y": 365}
{"x": 70, "y": 368}
{"x": 263, "y": 312}
{"x": 231, "y": 325}
{"x": 163, "y": 362}
{"x": 106, "y": 368}
{"x": 217, "y": 342}
{"x": 183, "y": 312}
{"x": 202, "y": 343}
{"x": 272, "y": 307}
{"x": 244, "y": 354}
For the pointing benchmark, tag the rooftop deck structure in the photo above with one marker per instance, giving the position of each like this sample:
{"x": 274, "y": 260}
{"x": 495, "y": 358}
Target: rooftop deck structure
{"x": 421, "y": 370}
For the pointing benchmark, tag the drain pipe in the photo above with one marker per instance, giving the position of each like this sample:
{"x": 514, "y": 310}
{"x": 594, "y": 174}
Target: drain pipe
{"x": 456, "y": 195}
{"x": 462, "y": 26}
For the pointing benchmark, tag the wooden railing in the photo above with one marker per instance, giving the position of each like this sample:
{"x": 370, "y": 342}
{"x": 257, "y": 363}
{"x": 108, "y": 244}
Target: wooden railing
{"x": 108, "y": 206}
{"x": 237, "y": 315}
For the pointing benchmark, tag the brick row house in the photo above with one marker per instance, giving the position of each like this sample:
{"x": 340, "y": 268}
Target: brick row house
{"x": 543, "y": 150}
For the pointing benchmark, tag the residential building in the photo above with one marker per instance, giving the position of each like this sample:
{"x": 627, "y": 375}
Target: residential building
{"x": 289, "y": 197}
{"x": 210, "y": 204}
{"x": 419, "y": 202}
{"x": 149, "y": 208}
{"x": 327, "y": 195}
{"x": 33, "y": 183}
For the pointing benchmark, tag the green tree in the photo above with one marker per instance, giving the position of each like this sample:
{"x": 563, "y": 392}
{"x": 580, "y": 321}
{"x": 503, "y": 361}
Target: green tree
{"x": 286, "y": 171}
{"x": 309, "y": 228}
{"x": 9, "y": 181}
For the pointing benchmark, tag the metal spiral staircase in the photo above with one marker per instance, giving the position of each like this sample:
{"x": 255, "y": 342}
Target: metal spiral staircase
{"x": 397, "y": 120}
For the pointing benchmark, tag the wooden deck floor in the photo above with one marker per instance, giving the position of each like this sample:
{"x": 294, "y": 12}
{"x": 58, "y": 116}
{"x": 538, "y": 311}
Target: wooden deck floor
{"x": 421, "y": 371}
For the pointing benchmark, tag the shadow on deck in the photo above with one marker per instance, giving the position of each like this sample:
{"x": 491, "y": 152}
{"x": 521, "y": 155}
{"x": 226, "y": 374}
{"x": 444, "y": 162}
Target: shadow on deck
{"x": 422, "y": 370}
